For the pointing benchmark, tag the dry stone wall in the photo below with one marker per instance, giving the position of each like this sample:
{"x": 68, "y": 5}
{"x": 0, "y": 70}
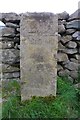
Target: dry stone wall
{"x": 9, "y": 48}
{"x": 68, "y": 45}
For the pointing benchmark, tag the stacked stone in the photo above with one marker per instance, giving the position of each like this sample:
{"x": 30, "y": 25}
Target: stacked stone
{"x": 69, "y": 44}
{"x": 9, "y": 45}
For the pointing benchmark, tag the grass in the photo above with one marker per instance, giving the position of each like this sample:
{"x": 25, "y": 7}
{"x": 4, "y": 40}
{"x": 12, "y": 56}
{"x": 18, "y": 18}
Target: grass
{"x": 64, "y": 105}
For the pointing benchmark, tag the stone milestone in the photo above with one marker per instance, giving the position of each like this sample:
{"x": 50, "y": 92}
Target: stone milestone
{"x": 38, "y": 58}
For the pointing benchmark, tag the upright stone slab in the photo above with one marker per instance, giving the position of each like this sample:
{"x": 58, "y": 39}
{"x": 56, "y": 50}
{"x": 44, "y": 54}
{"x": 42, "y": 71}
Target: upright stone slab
{"x": 39, "y": 44}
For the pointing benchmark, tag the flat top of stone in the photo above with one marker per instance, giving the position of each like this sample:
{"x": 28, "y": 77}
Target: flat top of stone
{"x": 75, "y": 15}
{"x": 9, "y": 17}
{"x": 38, "y": 16}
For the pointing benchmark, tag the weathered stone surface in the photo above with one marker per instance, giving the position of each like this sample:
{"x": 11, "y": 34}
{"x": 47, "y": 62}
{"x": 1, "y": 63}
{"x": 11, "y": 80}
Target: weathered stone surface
{"x": 66, "y": 39}
{"x": 74, "y": 60}
{"x": 70, "y": 51}
{"x": 7, "y": 32}
{"x": 9, "y": 17}
{"x": 60, "y": 46}
{"x": 18, "y": 29}
{"x": 7, "y": 68}
{"x": 71, "y": 66}
{"x": 59, "y": 37}
{"x": 6, "y": 44}
{"x": 61, "y": 29}
{"x": 9, "y": 56}
{"x": 63, "y": 16}
{"x": 76, "y": 36}
{"x": 70, "y": 31}
{"x": 74, "y": 74}
{"x": 61, "y": 22}
{"x": 6, "y": 39}
{"x": 71, "y": 44}
{"x": 12, "y": 25}
{"x": 64, "y": 72}
{"x": 62, "y": 57}
{"x": 75, "y": 24}
{"x": 38, "y": 62}
{"x": 75, "y": 15}
{"x": 59, "y": 68}
{"x": 10, "y": 75}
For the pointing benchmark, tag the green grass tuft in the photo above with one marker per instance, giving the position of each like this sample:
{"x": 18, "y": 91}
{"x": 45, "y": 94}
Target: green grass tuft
{"x": 64, "y": 105}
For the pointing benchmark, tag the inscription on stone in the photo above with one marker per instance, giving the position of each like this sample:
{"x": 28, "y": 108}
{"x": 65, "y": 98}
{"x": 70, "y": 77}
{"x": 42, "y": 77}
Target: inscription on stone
{"x": 39, "y": 44}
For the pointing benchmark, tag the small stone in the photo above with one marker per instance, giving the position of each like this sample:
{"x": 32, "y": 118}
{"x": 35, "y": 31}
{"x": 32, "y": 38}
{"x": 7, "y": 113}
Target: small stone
{"x": 71, "y": 66}
{"x": 6, "y": 39}
{"x": 18, "y": 29}
{"x": 11, "y": 75}
{"x": 70, "y": 51}
{"x": 74, "y": 60}
{"x": 12, "y": 25}
{"x": 76, "y": 56}
{"x": 59, "y": 37}
{"x": 70, "y": 31}
{"x": 61, "y": 22}
{"x": 63, "y": 16}
{"x": 71, "y": 44}
{"x": 62, "y": 57}
{"x": 10, "y": 56}
{"x": 64, "y": 72}
{"x": 74, "y": 74}
{"x": 66, "y": 39}
{"x": 59, "y": 68}
{"x": 78, "y": 43}
{"x": 61, "y": 29}
{"x": 7, "y": 32}
{"x": 9, "y": 17}
{"x": 76, "y": 36}
{"x": 73, "y": 25}
{"x": 5, "y": 68}
{"x": 6, "y": 44}
{"x": 60, "y": 46}
{"x": 18, "y": 35}
{"x": 16, "y": 74}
